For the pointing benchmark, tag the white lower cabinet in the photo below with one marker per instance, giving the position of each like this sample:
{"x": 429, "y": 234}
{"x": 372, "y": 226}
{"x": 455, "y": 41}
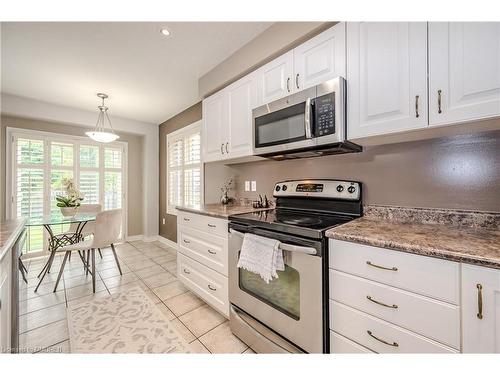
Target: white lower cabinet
{"x": 5, "y": 302}
{"x": 342, "y": 345}
{"x": 393, "y": 302}
{"x": 378, "y": 335}
{"x": 434, "y": 319}
{"x": 481, "y": 309}
{"x": 202, "y": 262}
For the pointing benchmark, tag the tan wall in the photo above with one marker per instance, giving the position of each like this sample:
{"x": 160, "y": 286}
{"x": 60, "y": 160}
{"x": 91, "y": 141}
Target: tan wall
{"x": 134, "y": 172}
{"x": 461, "y": 172}
{"x": 190, "y": 115}
{"x": 272, "y": 42}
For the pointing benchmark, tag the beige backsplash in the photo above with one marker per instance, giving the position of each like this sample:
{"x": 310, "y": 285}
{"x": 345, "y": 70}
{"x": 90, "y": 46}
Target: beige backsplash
{"x": 461, "y": 172}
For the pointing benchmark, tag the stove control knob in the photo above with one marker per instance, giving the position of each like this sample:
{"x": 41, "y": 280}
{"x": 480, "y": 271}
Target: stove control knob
{"x": 278, "y": 188}
{"x": 351, "y": 189}
{"x": 340, "y": 188}
{"x": 284, "y": 188}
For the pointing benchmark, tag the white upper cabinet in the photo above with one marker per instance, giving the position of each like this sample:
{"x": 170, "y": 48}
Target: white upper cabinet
{"x": 241, "y": 101}
{"x": 386, "y": 77}
{"x": 227, "y": 121}
{"x": 480, "y": 309}
{"x": 464, "y": 71}
{"x": 274, "y": 80}
{"x": 215, "y": 126}
{"x": 320, "y": 58}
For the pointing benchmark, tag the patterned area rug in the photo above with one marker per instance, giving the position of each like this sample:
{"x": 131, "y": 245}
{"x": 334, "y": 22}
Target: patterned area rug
{"x": 126, "y": 322}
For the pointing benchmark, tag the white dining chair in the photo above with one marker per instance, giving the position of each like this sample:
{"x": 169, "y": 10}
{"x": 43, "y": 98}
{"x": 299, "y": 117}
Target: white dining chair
{"x": 88, "y": 229}
{"x": 106, "y": 233}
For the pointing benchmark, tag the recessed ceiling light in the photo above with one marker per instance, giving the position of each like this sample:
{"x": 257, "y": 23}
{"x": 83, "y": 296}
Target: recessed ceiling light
{"x": 165, "y": 31}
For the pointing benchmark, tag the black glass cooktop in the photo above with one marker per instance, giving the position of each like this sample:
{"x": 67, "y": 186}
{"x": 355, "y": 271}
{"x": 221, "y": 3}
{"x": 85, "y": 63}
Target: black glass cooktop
{"x": 302, "y": 223}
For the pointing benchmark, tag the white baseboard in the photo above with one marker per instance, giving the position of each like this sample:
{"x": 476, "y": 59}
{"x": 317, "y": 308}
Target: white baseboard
{"x": 167, "y": 242}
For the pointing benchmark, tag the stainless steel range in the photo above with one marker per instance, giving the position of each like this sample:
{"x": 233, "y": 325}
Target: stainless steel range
{"x": 290, "y": 314}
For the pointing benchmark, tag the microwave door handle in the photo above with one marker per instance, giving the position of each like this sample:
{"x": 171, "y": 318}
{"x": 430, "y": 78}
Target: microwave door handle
{"x": 284, "y": 246}
{"x": 307, "y": 120}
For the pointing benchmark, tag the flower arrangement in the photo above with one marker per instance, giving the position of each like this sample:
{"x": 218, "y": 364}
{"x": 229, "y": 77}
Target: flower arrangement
{"x": 73, "y": 198}
{"x": 225, "y": 190}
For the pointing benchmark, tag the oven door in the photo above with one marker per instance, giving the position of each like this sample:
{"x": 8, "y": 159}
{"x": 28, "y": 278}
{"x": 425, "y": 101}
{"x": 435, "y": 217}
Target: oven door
{"x": 284, "y": 124}
{"x": 290, "y": 305}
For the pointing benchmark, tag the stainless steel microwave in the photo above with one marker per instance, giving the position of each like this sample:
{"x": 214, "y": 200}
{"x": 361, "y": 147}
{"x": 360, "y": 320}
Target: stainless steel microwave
{"x": 309, "y": 123}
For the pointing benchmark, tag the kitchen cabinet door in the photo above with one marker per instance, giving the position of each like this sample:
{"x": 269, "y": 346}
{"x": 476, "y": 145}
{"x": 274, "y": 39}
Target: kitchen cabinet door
{"x": 274, "y": 80}
{"x": 215, "y": 127}
{"x": 5, "y": 303}
{"x": 320, "y": 58}
{"x": 464, "y": 71}
{"x": 386, "y": 77}
{"x": 241, "y": 100}
{"x": 480, "y": 309}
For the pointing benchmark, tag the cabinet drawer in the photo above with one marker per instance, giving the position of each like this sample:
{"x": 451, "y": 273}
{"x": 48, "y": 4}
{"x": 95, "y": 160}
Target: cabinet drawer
{"x": 208, "y": 284}
{"x": 431, "y": 277}
{"x": 207, "y": 249}
{"x": 207, "y": 224}
{"x": 437, "y": 320}
{"x": 378, "y": 335}
{"x": 342, "y": 345}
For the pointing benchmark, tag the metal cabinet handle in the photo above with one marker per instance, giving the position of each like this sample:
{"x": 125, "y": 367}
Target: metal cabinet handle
{"x": 222, "y": 148}
{"x": 211, "y": 225}
{"x": 212, "y": 252}
{"x": 416, "y": 106}
{"x": 395, "y": 344}
{"x": 186, "y": 271}
{"x": 186, "y": 219}
{"x": 369, "y": 298}
{"x": 227, "y": 144}
{"x": 439, "y": 101}
{"x": 479, "y": 301}
{"x": 288, "y": 84}
{"x": 381, "y": 267}
{"x": 297, "y": 80}
{"x": 211, "y": 287}
{"x": 186, "y": 241}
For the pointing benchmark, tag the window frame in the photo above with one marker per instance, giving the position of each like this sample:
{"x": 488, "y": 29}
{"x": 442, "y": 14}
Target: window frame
{"x": 182, "y": 133}
{"x": 12, "y": 134}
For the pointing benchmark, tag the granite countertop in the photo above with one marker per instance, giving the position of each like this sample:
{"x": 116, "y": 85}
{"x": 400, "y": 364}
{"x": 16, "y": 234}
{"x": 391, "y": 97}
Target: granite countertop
{"x": 452, "y": 235}
{"x": 219, "y": 210}
{"x": 9, "y": 232}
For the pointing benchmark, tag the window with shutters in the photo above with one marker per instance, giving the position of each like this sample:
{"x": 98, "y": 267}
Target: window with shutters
{"x": 184, "y": 167}
{"x": 40, "y": 163}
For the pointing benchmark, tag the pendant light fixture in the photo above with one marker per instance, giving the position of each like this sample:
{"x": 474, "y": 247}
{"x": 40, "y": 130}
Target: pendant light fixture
{"x": 99, "y": 134}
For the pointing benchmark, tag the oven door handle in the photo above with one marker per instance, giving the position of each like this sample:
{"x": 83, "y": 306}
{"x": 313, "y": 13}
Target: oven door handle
{"x": 284, "y": 246}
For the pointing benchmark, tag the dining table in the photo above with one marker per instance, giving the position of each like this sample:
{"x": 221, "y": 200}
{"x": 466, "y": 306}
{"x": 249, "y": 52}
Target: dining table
{"x": 55, "y": 241}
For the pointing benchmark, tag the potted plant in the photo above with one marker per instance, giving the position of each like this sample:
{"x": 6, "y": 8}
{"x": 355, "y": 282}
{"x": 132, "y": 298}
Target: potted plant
{"x": 69, "y": 204}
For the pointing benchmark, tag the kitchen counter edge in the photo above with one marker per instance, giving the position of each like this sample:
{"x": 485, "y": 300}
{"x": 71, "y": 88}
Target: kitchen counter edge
{"x": 219, "y": 211}
{"x": 13, "y": 234}
{"x": 453, "y": 243}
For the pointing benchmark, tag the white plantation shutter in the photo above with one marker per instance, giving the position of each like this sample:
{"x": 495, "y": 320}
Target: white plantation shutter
{"x": 184, "y": 167}
{"x": 89, "y": 186}
{"x": 40, "y": 162}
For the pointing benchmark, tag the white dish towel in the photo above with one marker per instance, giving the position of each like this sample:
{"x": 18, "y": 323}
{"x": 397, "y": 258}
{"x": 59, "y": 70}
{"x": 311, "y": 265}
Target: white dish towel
{"x": 262, "y": 256}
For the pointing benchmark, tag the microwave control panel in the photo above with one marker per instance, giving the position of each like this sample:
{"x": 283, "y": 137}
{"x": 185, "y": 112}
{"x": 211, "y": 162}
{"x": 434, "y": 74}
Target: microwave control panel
{"x": 324, "y": 115}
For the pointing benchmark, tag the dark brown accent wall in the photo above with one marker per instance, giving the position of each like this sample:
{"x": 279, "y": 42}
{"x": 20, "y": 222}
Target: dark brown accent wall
{"x": 461, "y": 172}
{"x": 188, "y": 116}
{"x": 134, "y": 172}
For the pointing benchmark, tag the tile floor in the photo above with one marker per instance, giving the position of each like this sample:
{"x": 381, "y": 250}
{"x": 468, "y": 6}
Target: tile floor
{"x": 150, "y": 265}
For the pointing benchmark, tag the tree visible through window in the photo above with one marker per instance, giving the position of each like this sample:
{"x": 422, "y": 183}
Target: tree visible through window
{"x": 184, "y": 167}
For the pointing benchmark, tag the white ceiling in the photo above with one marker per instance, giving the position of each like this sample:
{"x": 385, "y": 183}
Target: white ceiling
{"x": 148, "y": 77}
